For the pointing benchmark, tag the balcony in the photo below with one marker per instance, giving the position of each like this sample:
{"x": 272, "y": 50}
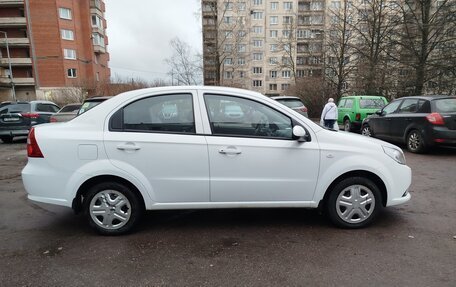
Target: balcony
{"x": 13, "y": 22}
{"x": 99, "y": 49}
{"x": 16, "y": 62}
{"x": 6, "y": 82}
{"x": 97, "y": 4}
{"x": 11, "y": 3}
{"x": 15, "y": 42}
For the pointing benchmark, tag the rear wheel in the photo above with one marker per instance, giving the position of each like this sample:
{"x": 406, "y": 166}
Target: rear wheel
{"x": 354, "y": 203}
{"x": 112, "y": 208}
{"x": 415, "y": 142}
{"x": 7, "y": 139}
{"x": 347, "y": 125}
{"x": 366, "y": 131}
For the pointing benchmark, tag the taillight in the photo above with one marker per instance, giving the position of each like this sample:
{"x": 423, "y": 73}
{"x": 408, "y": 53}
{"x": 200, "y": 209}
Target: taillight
{"x": 435, "y": 119}
{"x": 52, "y": 120}
{"x": 358, "y": 117}
{"x": 303, "y": 109}
{"x": 30, "y": 115}
{"x": 33, "y": 150}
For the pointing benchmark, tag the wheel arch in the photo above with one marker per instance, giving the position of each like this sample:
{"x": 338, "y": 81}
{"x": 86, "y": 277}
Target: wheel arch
{"x": 356, "y": 173}
{"x": 84, "y": 187}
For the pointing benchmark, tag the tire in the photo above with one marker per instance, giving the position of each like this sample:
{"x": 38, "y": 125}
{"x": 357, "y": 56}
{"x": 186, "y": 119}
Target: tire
{"x": 347, "y": 125}
{"x": 366, "y": 131}
{"x": 415, "y": 142}
{"x": 118, "y": 216}
{"x": 7, "y": 139}
{"x": 354, "y": 203}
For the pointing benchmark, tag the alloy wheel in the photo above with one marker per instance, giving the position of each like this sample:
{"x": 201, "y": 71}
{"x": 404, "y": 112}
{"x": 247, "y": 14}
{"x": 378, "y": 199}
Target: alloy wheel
{"x": 366, "y": 131}
{"x": 110, "y": 209}
{"x": 355, "y": 204}
{"x": 414, "y": 141}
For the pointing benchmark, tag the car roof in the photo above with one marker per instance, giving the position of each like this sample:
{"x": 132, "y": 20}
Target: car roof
{"x": 428, "y": 97}
{"x": 41, "y": 102}
{"x": 362, "y": 96}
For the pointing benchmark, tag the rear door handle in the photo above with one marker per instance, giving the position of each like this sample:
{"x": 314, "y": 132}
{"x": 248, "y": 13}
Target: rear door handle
{"x": 128, "y": 146}
{"x": 230, "y": 150}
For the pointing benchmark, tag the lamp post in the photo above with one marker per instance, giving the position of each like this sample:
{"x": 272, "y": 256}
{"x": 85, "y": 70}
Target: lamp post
{"x": 9, "y": 66}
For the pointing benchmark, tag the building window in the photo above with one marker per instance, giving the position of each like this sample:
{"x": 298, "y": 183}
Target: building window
{"x": 257, "y": 83}
{"x": 71, "y": 73}
{"x": 241, "y": 61}
{"x": 286, "y": 33}
{"x": 287, "y": 19}
{"x": 98, "y": 76}
{"x": 335, "y": 4}
{"x": 228, "y": 34}
{"x": 257, "y": 2}
{"x": 257, "y": 56}
{"x": 65, "y": 13}
{"x": 227, "y": 20}
{"x": 69, "y": 54}
{"x": 228, "y": 75}
{"x": 286, "y": 74}
{"x": 257, "y": 15}
{"x": 97, "y": 21}
{"x": 241, "y": 6}
{"x": 274, "y": 5}
{"x": 273, "y": 87}
{"x": 228, "y": 47}
{"x": 228, "y": 6}
{"x": 98, "y": 39}
{"x": 241, "y": 48}
{"x": 258, "y": 43}
{"x": 273, "y": 20}
{"x": 229, "y": 61}
{"x": 273, "y": 74}
{"x": 287, "y": 5}
{"x": 67, "y": 34}
{"x": 273, "y": 47}
{"x": 241, "y": 74}
{"x": 273, "y": 61}
{"x": 257, "y": 70}
{"x": 242, "y": 34}
{"x": 285, "y": 87}
{"x": 257, "y": 29}
{"x": 273, "y": 33}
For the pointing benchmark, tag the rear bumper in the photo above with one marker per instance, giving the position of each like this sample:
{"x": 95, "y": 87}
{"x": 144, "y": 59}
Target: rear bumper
{"x": 440, "y": 135}
{"x": 19, "y": 132}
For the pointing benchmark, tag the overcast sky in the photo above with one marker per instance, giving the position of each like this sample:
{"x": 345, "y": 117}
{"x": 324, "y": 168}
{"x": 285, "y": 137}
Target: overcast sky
{"x": 139, "y": 32}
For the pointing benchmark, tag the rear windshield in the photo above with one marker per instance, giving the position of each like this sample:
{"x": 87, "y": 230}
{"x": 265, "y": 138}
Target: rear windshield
{"x": 445, "y": 105}
{"x": 15, "y": 108}
{"x": 291, "y": 103}
{"x": 47, "y": 108}
{"x": 87, "y": 106}
{"x": 371, "y": 103}
{"x": 69, "y": 109}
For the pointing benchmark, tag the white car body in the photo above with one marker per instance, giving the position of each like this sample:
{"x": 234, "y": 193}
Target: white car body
{"x": 188, "y": 171}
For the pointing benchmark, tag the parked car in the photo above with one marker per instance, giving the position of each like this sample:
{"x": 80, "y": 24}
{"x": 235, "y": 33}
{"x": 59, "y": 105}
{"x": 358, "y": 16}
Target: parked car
{"x": 418, "y": 122}
{"x": 293, "y": 103}
{"x": 16, "y": 119}
{"x": 353, "y": 110}
{"x": 121, "y": 158}
{"x": 66, "y": 113}
{"x": 90, "y": 103}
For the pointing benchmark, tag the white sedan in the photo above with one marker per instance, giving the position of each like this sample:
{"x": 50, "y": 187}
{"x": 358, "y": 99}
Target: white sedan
{"x": 182, "y": 148}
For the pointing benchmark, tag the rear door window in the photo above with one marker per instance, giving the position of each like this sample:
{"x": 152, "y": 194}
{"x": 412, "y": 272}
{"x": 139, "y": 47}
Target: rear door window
{"x": 349, "y": 104}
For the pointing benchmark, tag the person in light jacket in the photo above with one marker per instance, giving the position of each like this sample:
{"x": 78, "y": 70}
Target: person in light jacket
{"x": 329, "y": 114}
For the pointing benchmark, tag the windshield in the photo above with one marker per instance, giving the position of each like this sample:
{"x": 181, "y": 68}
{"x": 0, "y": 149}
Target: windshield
{"x": 371, "y": 103}
{"x": 291, "y": 103}
{"x": 445, "y": 105}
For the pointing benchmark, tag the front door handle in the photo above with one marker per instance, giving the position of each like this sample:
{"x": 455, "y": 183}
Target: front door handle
{"x": 128, "y": 147}
{"x": 230, "y": 150}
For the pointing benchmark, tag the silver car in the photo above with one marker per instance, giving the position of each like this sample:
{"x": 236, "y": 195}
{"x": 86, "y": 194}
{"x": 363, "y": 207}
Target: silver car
{"x": 293, "y": 103}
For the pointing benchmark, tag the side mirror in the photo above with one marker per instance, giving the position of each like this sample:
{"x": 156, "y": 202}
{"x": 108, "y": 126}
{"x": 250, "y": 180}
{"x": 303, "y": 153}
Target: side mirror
{"x": 379, "y": 112}
{"x": 299, "y": 133}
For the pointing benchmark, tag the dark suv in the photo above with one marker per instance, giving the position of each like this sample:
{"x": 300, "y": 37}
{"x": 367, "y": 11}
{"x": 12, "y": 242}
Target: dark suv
{"x": 419, "y": 122}
{"x": 16, "y": 119}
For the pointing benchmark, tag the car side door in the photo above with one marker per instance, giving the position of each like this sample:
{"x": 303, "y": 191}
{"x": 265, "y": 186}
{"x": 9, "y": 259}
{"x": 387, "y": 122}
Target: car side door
{"x": 157, "y": 138}
{"x": 254, "y": 158}
{"x": 403, "y": 118}
{"x": 381, "y": 125}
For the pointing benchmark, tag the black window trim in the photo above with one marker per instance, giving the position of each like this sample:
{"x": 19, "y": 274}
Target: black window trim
{"x": 122, "y": 129}
{"x": 293, "y": 121}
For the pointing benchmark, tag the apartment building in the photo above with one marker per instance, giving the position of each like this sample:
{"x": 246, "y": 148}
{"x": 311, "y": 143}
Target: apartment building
{"x": 262, "y": 45}
{"x": 53, "y": 45}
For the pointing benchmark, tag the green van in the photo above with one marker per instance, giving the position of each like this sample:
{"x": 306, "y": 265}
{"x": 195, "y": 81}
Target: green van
{"x": 353, "y": 109}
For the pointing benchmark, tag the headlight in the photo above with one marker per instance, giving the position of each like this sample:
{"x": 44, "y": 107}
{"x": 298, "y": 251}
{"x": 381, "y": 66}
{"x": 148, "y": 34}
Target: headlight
{"x": 395, "y": 154}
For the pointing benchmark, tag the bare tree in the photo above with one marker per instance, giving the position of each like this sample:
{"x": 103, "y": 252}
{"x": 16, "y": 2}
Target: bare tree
{"x": 340, "y": 47}
{"x": 425, "y": 44}
{"x": 184, "y": 64}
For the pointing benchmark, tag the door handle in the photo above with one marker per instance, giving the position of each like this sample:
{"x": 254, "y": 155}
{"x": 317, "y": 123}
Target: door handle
{"x": 128, "y": 146}
{"x": 230, "y": 150}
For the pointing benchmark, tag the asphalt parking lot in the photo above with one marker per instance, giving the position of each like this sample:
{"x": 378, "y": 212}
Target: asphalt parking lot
{"x": 410, "y": 245}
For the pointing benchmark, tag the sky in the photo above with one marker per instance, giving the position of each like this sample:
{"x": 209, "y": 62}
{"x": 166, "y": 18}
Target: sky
{"x": 139, "y": 32}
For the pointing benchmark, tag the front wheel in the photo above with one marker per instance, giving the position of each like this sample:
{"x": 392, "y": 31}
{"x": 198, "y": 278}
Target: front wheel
{"x": 354, "y": 203}
{"x": 366, "y": 131}
{"x": 112, "y": 208}
{"x": 415, "y": 142}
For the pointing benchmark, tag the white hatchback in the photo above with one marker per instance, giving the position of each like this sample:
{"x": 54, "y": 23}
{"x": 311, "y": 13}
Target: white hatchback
{"x": 182, "y": 148}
